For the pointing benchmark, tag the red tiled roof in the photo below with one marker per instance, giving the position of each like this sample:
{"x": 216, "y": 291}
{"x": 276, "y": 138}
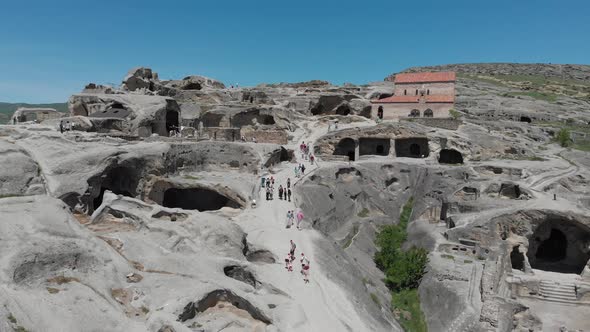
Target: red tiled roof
{"x": 415, "y": 99}
{"x": 425, "y": 77}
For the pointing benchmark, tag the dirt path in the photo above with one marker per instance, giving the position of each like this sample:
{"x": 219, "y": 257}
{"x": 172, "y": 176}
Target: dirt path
{"x": 320, "y": 305}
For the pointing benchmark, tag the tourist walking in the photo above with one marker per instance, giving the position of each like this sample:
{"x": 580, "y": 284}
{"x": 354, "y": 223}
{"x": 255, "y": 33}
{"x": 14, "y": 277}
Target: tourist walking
{"x": 305, "y": 268}
{"x": 299, "y": 219}
{"x": 292, "y": 250}
{"x": 289, "y": 194}
{"x": 61, "y": 127}
{"x": 311, "y": 159}
{"x": 297, "y": 171}
{"x": 263, "y": 181}
{"x": 302, "y": 169}
{"x": 289, "y": 263}
{"x": 288, "y": 183}
{"x": 289, "y": 222}
{"x": 281, "y": 192}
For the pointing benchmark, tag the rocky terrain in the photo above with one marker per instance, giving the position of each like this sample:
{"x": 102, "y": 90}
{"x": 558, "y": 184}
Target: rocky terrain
{"x": 149, "y": 215}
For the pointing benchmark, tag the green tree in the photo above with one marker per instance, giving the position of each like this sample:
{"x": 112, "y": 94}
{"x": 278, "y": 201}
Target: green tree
{"x": 454, "y": 114}
{"x": 563, "y": 137}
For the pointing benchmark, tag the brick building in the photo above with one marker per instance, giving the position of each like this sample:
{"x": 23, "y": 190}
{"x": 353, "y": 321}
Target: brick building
{"x": 417, "y": 95}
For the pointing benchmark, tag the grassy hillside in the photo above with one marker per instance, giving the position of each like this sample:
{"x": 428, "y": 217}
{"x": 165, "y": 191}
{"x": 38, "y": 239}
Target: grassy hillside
{"x": 6, "y": 109}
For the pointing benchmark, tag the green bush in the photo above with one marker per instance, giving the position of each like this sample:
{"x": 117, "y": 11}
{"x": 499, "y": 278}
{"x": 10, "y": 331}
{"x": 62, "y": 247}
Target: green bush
{"x": 407, "y": 269}
{"x": 563, "y": 137}
{"x": 403, "y": 269}
{"x": 454, "y": 114}
{"x": 390, "y": 238}
{"x": 409, "y": 300}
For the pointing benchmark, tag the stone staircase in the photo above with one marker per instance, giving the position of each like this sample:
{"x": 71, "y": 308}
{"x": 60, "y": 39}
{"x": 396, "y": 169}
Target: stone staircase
{"x": 563, "y": 292}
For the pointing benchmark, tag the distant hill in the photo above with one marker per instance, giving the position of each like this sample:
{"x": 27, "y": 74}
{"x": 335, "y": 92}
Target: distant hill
{"x": 6, "y": 109}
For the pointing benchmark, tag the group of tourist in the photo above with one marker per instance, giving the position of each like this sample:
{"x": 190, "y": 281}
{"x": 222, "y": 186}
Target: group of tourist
{"x": 299, "y": 170}
{"x": 305, "y": 152}
{"x": 304, "y": 262}
{"x": 268, "y": 184}
{"x": 66, "y": 126}
{"x": 291, "y": 218}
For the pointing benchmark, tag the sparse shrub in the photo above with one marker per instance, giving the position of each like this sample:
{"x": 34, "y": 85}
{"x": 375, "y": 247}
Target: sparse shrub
{"x": 454, "y": 114}
{"x": 52, "y": 290}
{"x": 363, "y": 213}
{"x": 563, "y": 137}
{"x": 375, "y": 299}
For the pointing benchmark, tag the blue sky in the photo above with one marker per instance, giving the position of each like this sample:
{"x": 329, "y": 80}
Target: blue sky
{"x": 51, "y": 49}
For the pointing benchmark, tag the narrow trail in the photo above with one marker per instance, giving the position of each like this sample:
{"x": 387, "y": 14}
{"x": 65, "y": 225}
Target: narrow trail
{"x": 320, "y": 305}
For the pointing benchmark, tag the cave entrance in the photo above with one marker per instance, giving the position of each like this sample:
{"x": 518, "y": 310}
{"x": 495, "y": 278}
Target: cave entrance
{"x": 450, "y": 156}
{"x": 171, "y": 121}
{"x": 346, "y": 147}
{"x": 192, "y": 86}
{"x": 510, "y": 190}
{"x": 343, "y": 110}
{"x": 374, "y": 146}
{"x": 525, "y": 119}
{"x": 120, "y": 181}
{"x": 200, "y": 199}
{"x": 415, "y": 147}
{"x": 285, "y": 155}
{"x": 517, "y": 258}
{"x": 250, "y": 118}
{"x": 559, "y": 246}
{"x": 554, "y": 248}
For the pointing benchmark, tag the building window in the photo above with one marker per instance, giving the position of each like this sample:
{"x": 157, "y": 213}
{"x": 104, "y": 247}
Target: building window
{"x": 428, "y": 91}
{"x": 405, "y": 92}
{"x": 416, "y": 92}
{"x": 428, "y": 113}
{"x": 380, "y": 112}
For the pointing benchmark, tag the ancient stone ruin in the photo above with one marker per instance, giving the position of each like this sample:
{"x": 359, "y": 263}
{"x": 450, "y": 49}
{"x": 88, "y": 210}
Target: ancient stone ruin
{"x": 146, "y": 207}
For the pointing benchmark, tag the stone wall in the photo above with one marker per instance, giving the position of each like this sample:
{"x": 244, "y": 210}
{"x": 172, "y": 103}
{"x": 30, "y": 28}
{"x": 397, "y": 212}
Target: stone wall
{"x": 221, "y": 134}
{"x": 207, "y": 156}
{"x": 447, "y": 88}
{"x": 267, "y": 136}
{"x": 395, "y": 111}
{"x": 39, "y": 115}
{"x": 444, "y": 123}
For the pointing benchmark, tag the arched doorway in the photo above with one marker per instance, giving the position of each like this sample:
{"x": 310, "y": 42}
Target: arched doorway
{"x": 171, "y": 121}
{"x": 374, "y": 146}
{"x": 415, "y": 113}
{"x": 428, "y": 113}
{"x": 555, "y": 246}
{"x": 517, "y": 259}
{"x": 346, "y": 147}
{"x": 450, "y": 156}
{"x": 412, "y": 147}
